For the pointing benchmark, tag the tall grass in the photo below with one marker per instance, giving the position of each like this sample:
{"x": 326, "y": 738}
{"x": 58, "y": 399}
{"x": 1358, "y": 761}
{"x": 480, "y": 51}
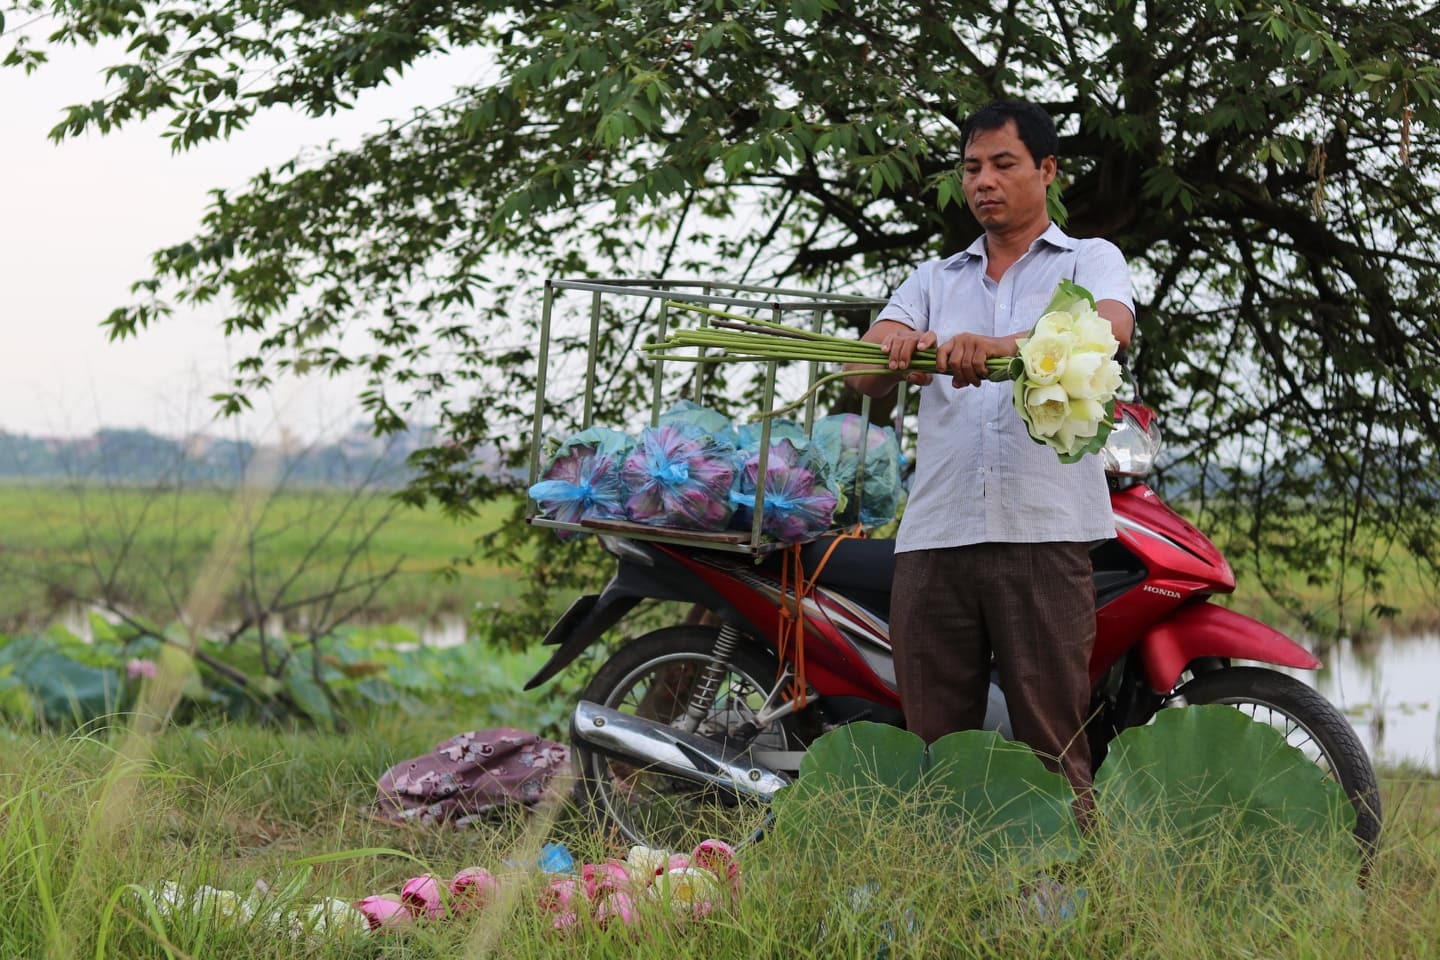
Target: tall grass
{"x": 234, "y": 806}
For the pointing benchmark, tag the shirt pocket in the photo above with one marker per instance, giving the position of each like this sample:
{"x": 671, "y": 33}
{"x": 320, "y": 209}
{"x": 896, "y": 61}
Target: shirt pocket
{"x": 1028, "y": 308}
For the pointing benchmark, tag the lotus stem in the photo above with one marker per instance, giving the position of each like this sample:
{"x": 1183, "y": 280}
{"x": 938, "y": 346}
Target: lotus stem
{"x": 741, "y": 339}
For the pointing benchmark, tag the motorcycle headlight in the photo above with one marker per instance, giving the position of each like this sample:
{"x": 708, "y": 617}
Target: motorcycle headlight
{"x": 1134, "y": 443}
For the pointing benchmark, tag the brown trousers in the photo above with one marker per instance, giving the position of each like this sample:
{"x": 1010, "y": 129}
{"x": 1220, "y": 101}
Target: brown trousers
{"x": 1031, "y": 605}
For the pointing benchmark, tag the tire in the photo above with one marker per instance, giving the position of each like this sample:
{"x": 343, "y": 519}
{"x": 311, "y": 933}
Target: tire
{"x": 662, "y": 811}
{"x": 1310, "y": 723}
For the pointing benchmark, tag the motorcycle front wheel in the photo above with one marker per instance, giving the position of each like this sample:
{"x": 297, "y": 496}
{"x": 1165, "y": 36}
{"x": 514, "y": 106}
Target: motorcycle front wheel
{"x": 654, "y": 677}
{"x": 1309, "y": 722}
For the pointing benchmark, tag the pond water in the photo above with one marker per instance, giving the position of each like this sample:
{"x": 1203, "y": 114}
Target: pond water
{"x": 1389, "y": 689}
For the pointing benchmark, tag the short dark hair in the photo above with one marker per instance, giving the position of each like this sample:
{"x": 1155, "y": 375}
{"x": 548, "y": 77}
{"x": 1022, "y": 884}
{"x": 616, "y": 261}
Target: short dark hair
{"x": 1036, "y": 128}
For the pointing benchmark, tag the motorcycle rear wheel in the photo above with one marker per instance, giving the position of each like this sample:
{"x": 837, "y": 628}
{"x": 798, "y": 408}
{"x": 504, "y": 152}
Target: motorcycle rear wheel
{"x": 1309, "y": 723}
{"x": 653, "y": 677}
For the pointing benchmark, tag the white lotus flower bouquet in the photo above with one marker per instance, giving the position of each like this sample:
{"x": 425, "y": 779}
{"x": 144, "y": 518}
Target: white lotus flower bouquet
{"x": 1065, "y": 371}
{"x": 1066, "y": 375}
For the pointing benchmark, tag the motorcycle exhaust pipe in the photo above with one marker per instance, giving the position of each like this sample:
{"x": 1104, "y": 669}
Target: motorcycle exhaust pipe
{"x": 673, "y": 752}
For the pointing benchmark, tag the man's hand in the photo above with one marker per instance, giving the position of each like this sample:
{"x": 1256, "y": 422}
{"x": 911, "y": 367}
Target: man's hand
{"x": 963, "y": 356}
{"x": 899, "y": 341}
{"x": 900, "y": 346}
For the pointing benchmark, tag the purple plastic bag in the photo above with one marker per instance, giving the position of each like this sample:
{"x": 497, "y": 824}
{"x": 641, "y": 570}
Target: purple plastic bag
{"x": 582, "y": 480}
{"x": 800, "y": 501}
{"x": 679, "y": 476}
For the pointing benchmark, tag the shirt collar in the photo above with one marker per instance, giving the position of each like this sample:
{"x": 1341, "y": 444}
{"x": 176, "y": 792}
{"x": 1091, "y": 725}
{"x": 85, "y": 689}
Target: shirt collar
{"x": 1053, "y": 235}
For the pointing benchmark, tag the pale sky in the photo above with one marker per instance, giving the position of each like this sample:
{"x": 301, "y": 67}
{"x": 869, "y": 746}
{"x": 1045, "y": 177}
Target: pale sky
{"x": 78, "y": 222}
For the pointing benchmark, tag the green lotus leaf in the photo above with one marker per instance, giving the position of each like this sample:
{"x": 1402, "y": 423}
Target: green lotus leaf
{"x": 850, "y": 775}
{"x": 65, "y": 690}
{"x": 1194, "y": 775}
{"x": 999, "y": 795}
{"x": 1200, "y": 769}
{"x": 1011, "y": 802}
{"x": 1068, "y": 295}
{"x": 865, "y": 754}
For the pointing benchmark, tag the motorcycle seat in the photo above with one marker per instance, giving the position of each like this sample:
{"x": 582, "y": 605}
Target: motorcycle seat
{"x": 857, "y": 568}
{"x": 862, "y": 570}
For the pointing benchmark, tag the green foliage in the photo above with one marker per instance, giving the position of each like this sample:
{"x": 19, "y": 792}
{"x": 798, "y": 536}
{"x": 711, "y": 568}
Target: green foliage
{"x": 229, "y": 805}
{"x": 1204, "y": 769}
{"x": 1004, "y": 794}
{"x": 137, "y": 548}
{"x": 864, "y": 754}
{"x": 64, "y": 690}
{"x": 1268, "y": 169}
{"x": 59, "y": 681}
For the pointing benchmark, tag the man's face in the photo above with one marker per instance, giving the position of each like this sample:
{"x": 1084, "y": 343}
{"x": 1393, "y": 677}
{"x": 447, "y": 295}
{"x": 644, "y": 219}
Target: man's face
{"x": 1004, "y": 188}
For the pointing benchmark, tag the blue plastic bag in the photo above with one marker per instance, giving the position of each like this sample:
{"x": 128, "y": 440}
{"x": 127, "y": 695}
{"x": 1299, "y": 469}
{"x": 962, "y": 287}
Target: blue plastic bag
{"x": 878, "y": 500}
{"x": 679, "y": 476}
{"x": 800, "y": 499}
{"x": 582, "y": 480}
{"x": 748, "y": 434}
{"x": 713, "y": 422}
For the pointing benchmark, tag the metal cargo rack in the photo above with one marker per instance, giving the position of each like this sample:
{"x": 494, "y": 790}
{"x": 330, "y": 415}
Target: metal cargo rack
{"x": 778, "y": 302}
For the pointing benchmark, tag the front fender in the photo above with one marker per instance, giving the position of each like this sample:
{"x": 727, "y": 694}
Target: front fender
{"x": 1205, "y": 630}
{"x": 581, "y": 625}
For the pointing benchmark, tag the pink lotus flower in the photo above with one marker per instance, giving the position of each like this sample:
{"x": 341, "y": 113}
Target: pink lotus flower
{"x": 472, "y": 888}
{"x": 719, "y": 858}
{"x": 384, "y": 912}
{"x": 677, "y": 861}
{"x": 421, "y": 896}
{"x": 617, "y": 904}
{"x": 600, "y": 877}
{"x": 562, "y": 896}
{"x": 137, "y": 669}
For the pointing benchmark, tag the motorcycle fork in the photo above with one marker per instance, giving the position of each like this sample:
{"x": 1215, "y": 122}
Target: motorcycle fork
{"x": 1123, "y": 699}
{"x": 1135, "y": 702}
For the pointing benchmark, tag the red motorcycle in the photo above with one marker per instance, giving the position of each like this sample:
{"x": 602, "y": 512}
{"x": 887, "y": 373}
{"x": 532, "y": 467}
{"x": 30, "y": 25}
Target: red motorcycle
{"x": 687, "y": 730}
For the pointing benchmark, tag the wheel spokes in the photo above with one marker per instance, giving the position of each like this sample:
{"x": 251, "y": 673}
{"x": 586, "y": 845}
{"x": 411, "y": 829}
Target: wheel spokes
{"x": 1294, "y": 732}
{"x": 668, "y": 810}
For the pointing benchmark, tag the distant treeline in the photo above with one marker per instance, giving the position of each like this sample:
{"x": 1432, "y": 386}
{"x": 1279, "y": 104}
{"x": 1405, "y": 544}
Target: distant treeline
{"x": 141, "y": 457}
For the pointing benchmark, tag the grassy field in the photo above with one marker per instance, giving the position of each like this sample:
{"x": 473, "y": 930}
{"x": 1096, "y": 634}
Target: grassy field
{"x": 59, "y": 542}
{"x": 87, "y": 823}
{"x": 146, "y": 548}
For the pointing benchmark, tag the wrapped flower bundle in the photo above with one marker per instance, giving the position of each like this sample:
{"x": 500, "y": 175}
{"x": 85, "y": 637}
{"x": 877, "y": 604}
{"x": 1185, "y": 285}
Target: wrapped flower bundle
{"x": 582, "y": 480}
{"x": 710, "y": 421}
{"x": 800, "y": 502}
{"x": 747, "y": 435}
{"x": 685, "y": 474}
{"x": 679, "y": 476}
{"x": 838, "y": 439}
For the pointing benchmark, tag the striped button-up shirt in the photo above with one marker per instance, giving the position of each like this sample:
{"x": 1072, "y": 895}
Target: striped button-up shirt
{"x": 979, "y": 478}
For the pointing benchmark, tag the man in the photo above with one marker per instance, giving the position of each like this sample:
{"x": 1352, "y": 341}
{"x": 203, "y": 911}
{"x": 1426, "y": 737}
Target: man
{"x": 992, "y": 555}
